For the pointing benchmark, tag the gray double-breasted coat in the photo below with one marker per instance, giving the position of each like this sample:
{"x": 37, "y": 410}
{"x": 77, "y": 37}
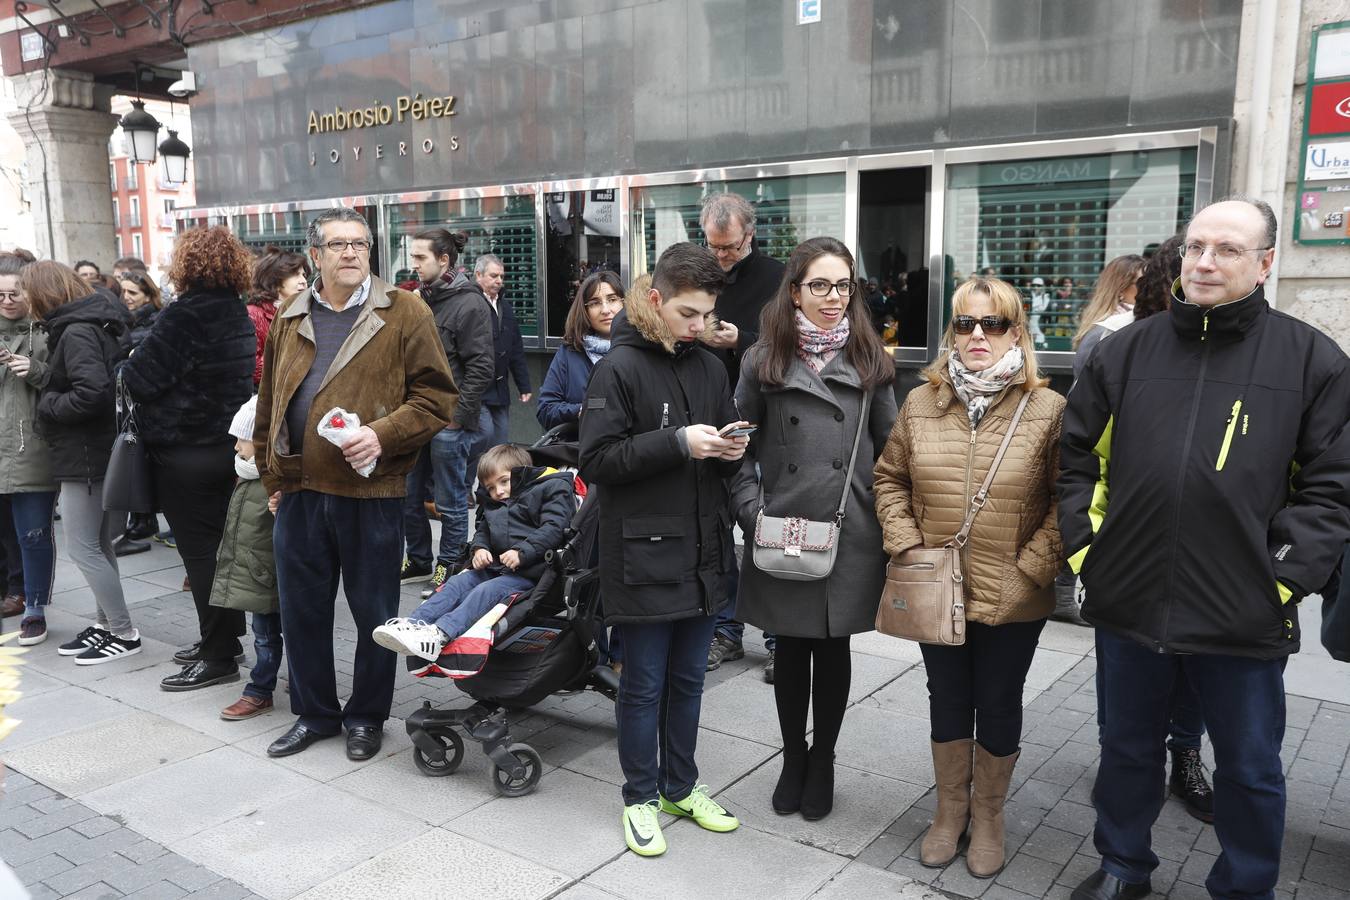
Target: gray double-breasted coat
{"x": 802, "y": 447}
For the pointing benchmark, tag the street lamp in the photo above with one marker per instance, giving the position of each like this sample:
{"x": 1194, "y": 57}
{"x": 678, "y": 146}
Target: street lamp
{"x": 175, "y": 153}
{"x": 141, "y": 128}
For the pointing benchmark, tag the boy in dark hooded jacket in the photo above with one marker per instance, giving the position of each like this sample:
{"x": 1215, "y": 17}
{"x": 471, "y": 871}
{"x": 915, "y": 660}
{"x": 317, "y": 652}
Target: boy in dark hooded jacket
{"x": 523, "y": 512}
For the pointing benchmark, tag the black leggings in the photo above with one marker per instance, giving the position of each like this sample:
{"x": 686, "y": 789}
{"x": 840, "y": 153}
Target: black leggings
{"x": 795, "y": 686}
{"x": 978, "y": 685}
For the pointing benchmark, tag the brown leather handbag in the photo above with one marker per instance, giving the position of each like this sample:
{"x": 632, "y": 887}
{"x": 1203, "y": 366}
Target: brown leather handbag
{"x": 924, "y": 597}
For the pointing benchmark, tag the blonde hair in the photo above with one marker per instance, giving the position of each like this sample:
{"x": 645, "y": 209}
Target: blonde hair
{"x": 1116, "y": 276}
{"x": 1008, "y": 304}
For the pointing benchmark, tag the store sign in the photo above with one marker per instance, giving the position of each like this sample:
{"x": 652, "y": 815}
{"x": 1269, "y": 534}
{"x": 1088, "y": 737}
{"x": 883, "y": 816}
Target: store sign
{"x": 1333, "y": 55}
{"x": 1329, "y": 112}
{"x": 405, "y": 109}
{"x": 1327, "y": 162}
{"x": 1324, "y": 177}
{"x": 808, "y": 11}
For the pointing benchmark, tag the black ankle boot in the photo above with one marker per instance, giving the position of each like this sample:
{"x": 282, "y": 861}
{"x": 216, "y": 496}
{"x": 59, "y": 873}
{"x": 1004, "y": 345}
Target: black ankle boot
{"x": 818, "y": 794}
{"x": 787, "y": 796}
{"x": 1188, "y": 783}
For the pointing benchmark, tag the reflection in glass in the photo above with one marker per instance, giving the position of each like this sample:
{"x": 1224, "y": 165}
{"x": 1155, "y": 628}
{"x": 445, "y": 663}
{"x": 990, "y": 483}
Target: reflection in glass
{"x": 503, "y": 226}
{"x": 1049, "y": 225}
{"x": 893, "y": 252}
{"x": 583, "y": 238}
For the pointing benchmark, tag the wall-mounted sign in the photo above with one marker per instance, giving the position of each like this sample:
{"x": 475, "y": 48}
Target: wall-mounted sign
{"x": 808, "y": 11}
{"x": 407, "y": 108}
{"x": 1324, "y": 172}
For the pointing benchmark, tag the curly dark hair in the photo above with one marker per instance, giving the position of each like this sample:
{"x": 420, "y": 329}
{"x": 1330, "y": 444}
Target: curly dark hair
{"x": 210, "y": 259}
{"x": 1161, "y": 270}
{"x": 271, "y": 269}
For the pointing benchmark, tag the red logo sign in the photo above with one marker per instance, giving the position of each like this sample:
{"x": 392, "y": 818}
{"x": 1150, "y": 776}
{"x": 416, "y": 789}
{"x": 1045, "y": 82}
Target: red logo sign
{"x": 1330, "y": 110}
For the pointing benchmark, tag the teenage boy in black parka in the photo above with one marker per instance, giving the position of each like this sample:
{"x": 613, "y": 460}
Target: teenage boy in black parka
{"x": 650, "y": 448}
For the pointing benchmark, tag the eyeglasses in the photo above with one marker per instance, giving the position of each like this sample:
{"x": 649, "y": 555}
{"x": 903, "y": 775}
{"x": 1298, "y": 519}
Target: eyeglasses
{"x": 9, "y": 295}
{"x": 1224, "y": 253}
{"x": 728, "y": 248}
{"x": 988, "y": 324}
{"x": 601, "y": 302}
{"x": 821, "y": 288}
{"x": 360, "y": 246}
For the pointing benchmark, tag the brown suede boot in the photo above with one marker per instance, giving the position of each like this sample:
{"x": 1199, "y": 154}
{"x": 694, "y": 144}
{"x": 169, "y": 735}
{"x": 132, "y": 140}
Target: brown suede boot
{"x": 951, "y": 769}
{"x": 989, "y": 790}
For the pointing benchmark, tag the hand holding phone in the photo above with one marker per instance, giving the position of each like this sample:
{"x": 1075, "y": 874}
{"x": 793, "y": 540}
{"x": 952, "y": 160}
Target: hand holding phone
{"x": 737, "y": 429}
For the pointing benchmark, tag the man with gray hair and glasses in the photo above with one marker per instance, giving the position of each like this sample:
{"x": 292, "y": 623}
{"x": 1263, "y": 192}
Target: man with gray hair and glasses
{"x": 728, "y": 223}
{"x": 509, "y": 358}
{"x": 1204, "y": 491}
{"x": 353, "y": 342}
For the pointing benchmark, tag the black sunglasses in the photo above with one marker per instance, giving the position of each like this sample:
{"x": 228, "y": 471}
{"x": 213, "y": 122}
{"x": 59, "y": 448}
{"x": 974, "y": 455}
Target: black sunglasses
{"x": 988, "y": 324}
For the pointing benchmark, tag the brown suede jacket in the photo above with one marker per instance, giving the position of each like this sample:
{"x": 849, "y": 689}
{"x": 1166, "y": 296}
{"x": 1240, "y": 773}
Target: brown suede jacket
{"x": 391, "y": 371}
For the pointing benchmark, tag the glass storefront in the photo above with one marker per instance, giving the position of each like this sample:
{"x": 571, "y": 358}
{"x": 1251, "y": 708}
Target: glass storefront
{"x": 1049, "y": 225}
{"x": 283, "y": 230}
{"x": 583, "y": 238}
{"x": 501, "y": 225}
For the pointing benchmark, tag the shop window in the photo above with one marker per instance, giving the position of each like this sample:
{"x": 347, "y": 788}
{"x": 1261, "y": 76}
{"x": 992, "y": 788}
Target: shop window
{"x": 1049, "y": 225}
{"x": 583, "y": 238}
{"x": 503, "y": 226}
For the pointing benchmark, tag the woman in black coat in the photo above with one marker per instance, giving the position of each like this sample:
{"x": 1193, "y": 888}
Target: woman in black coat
{"x": 142, "y": 299}
{"x": 817, "y": 375}
{"x": 188, "y": 379}
{"x": 76, "y": 417}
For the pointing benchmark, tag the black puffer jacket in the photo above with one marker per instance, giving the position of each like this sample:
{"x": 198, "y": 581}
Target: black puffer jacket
{"x": 193, "y": 370}
{"x": 531, "y": 521}
{"x": 75, "y": 411}
{"x": 464, "y": 322}
{"x": 1205, "y": 477}
{"x": 665, "y": 523}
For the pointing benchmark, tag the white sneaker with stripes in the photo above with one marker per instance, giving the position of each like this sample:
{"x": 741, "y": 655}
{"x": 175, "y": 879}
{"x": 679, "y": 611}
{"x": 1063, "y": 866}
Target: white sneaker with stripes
{"x": 410, "y": 637}
{"x": 108, "y": 647}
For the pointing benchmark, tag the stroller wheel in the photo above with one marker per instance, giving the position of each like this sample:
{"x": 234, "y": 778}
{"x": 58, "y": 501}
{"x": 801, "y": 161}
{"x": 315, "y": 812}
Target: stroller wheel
{"x": 453, "y": 754}
{"x": 510, "y": 786}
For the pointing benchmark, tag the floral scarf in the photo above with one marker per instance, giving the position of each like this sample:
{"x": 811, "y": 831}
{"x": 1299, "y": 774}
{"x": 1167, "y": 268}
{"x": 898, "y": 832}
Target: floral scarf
{"x": 817, "y": 346}
{"x": 596, "y": 347}
{"x": 978, "y": 389}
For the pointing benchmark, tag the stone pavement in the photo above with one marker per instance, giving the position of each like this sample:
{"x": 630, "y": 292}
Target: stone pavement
{"x": 118, "y": 789}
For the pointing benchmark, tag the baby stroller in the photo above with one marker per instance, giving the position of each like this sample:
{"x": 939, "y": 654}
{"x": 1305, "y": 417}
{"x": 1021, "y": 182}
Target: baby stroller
{"x": 544, "y": 644}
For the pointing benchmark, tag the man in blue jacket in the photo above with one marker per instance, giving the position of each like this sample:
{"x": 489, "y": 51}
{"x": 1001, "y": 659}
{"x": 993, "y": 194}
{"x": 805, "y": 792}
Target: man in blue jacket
{"x": 1205, "y": 490}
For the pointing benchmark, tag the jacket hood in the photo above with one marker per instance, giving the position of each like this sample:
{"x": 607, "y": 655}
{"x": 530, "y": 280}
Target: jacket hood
{"x": 96, "y": 309}
{"x": 640, "y": 325}
{"x": 440, "y": 290}
{"x": 522, "y": 479}
{"x": 1232, "y": 319}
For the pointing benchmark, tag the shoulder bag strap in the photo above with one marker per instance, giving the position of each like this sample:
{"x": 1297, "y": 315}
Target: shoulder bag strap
{"x": 977, "y": 502}
{"x": 126, "y": 407}
{"x": 864, "y": 414}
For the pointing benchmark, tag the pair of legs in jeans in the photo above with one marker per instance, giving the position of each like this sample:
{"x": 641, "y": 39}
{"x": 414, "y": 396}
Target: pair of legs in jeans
{"x": 268, "y": 646}
{"x": 1242, "y": 702}
{"x": 90, "y": 532}
{"x": 446, "y": 462}
{"x": 30, "y": 517}
{"x": 466, "y": 598}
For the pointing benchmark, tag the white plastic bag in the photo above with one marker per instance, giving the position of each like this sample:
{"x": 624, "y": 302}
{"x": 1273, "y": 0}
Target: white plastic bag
{"x": 338, "y": 427}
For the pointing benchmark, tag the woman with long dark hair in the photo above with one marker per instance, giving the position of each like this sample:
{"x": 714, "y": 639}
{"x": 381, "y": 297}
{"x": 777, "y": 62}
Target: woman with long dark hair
{"x": 585, "y": 342}
{"x": 143, "y": 300}
{"x": 188, "y": 379}
{"x": 278, "y": 277}
{"x": 817, "y": 375}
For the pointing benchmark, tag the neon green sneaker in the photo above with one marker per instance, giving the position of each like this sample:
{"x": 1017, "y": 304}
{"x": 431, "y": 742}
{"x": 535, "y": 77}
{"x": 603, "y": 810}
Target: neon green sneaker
{"x": 704, "y": 810}
{"x": 642, "y": 831}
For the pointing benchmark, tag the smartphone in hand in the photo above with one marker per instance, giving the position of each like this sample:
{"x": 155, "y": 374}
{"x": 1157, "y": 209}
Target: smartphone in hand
{"x": 737, "y": 429}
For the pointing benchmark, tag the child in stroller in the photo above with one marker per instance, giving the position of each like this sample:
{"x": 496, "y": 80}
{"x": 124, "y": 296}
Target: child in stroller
{"x": 524, "y": 511}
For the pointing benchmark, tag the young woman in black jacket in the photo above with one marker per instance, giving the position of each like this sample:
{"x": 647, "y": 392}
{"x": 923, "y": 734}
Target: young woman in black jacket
{"x": 188, "y": 378}
{"x": 77, "y": 419}
{"x": 142, "y": 298}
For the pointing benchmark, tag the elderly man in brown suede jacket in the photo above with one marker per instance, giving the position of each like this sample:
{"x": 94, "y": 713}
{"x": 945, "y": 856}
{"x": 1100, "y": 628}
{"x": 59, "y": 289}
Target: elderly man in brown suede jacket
{"x": 355, "y": 342}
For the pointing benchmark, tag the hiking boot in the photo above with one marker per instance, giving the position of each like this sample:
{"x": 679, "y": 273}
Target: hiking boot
{"x": 723, "y": 649}
{"x": 14, "y": 605}
{"x": 642, "y": 830}
{"x": 32, "y": 630}
{"x": 706, "y": 812}
{"x": 108, "y": 647}
{"x": 82, "y": 641}
{"x": 439, "y": 576}
{"x": 412, "y": 571}
{"x": 1188, "y": 783}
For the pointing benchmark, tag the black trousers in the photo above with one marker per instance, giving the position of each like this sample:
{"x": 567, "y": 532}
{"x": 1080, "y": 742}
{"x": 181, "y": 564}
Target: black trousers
{"x": 193, "y": 487}
{"x": 11, "y": 555}
{"x": 813, "y": 671}
{"x": 975, "y": 690}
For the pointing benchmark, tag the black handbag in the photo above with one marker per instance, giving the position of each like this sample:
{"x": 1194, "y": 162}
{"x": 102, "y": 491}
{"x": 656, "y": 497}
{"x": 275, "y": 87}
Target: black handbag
{"x": 127, "y": 485}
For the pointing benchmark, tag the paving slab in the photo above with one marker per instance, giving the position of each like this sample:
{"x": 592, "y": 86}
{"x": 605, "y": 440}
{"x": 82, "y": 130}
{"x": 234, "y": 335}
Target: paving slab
{"x": 55, "y": 712}
{"x": 110, "y": 751}
{"x": 395, "y": 782}
{"x": 743, "y": 706}
{"x": 886, "y": 743}
{"x": 326, "y": 760}
{"x": 440, "y": 863}
{"x": 722, "y": 759}
{"x": 200, "y": 711}
{"x": 874, "y": 643}
{"x": 858, "y": 880}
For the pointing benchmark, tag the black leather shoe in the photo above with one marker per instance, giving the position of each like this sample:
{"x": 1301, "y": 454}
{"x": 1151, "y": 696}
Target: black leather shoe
{"x": 1103, "y": 886}
{"x": 194, "y": 654}
{"x": 200, "y": 674}
{"x": 297, "y": 739}
{"x": 125, "y": 546}
{"x": 363, "y": 742}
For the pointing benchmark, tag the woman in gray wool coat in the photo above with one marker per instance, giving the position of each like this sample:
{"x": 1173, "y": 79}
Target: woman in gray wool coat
{"x": 806, "y": 383}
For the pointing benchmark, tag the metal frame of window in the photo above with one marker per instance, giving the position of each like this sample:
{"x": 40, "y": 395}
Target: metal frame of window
{"x": 1203, "y": 138}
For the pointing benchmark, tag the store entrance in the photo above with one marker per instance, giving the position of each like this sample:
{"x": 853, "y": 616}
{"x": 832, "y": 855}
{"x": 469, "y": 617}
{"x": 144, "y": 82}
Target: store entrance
{"x": 893, "y": 251}
{"x": 582, "y": 238}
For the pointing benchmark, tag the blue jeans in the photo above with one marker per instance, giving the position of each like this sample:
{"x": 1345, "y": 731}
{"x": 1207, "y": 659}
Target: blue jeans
{"x": 727, "y": 624}
{"x": 660, "y": 695}
{"x": 267, "y": 646}
{"x": 318, "y": 539}
{"x": 466, "y": 598}
{"x": 1242, "y": 700}
{"x": 446, "y": 459}
{"x": 32, "y": 517}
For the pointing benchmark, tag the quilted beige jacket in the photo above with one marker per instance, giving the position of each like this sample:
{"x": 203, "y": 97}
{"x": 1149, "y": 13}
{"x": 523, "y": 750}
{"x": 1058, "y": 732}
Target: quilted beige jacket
{"x": 932, "y": 464}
